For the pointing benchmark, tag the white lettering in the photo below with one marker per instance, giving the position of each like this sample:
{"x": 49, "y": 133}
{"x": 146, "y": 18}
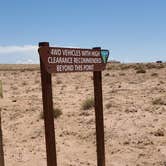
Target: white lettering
{"x": 87, "y": 60}
{"x": 53, "y": 60}
{"x": 56, "y": 52}
{"x": 65, "y": 68}
{"x": 71, "y": 52}
{"x": 78, "y": 67}
{"x": 88, "y": 67}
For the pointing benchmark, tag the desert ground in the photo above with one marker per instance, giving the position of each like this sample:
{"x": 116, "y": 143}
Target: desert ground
{"x": 134, "y": 101}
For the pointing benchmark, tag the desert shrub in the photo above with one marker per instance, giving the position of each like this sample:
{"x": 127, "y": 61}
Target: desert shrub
{"x": 59, "y": 82}
{"x": 22, "y": 70}
{"x": 37, "y": 81}
{"x": 122, "y": 74}
{"x": 154, "y": 74}
{"x": 150, "y": 65}
{"x": 88, "y": 103}
{"x": 56, "y": 113}
{"x": 160, "y": 66}
{"x": 159, "y": 133}
{"x": 112, "y": 66}
{"x": 109, "y": 67}
{"x": 76, "y": 87}
{"x": 159, "y": 101}
{"x": 24, "y": 83}
{"x": 140, "y": 69}
{"x": 162, "y": 82}
{"x": 125, "y": 66}
{"x": 42, "y": 115}
{"x": 108, "y": 105}
{"x": 136, "y": 66}
{"x": 131, "y": 66}
{"x": 155, "y": 65}
{"x": 107, "y": 74}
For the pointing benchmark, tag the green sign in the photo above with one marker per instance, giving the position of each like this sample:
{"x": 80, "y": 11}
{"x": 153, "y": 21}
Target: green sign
{"x": 105, "y": 54}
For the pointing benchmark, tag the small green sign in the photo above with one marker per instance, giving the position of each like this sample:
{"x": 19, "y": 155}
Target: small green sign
{"x": 105, "y": 55}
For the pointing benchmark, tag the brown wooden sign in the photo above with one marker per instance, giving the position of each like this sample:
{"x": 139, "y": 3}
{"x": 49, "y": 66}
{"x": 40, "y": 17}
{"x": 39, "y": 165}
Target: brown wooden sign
{"x": 55, "y": 59}
{"x": 60, "y": 60}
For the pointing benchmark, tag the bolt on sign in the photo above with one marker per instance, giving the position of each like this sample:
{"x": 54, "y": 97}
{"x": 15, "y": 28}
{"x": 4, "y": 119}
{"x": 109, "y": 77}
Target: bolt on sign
{"x": 63, "y": 60}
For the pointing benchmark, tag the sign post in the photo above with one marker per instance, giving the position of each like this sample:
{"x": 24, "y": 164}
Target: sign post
{"x": 62, "y": 60}
{"x": 97, "y": 78}
{"x": 2, "y": 161}
{"x": 48, "y": 111}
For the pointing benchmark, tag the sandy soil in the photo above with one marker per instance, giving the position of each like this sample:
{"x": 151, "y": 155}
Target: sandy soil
{"x": 134, "y": 116}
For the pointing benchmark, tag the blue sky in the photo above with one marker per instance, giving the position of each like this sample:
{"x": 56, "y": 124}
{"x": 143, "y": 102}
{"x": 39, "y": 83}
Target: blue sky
{"x": 133, "y": 30}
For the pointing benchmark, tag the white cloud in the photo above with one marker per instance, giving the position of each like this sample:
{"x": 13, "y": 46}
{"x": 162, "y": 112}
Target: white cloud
{"x": 27, "y": 61}
{"x": 17, "y": 49}
{"x": 26, "y": 54}
{"x": 19, "y": 54}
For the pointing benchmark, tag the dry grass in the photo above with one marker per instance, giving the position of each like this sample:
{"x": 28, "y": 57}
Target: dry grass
{"x": 136, "y": 66}
{"x": 56, "y": 113}
{"x": 159, "y": 101}
{"x": 130, "y": 118}
{"x": 108, "y": 105}
{"x": 154, "y": 74}
{"x": 88, "y": 103}
{"x": 19, "y": 67}
{"x": 58, "y": 82}
{"x": 141, "y": 70}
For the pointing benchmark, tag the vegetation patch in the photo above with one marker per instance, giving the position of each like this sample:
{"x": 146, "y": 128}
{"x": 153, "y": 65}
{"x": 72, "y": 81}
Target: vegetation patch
{"x": 140, "y": 70}
{"x": 136, "y": 66}
{"x": 88, "y": 103}
{"x": 159, "y": 101}
{"x": 107, "y": 74}
{"x": 108, "y": 105}
{"x": 122, "y": 74}
{"x": 58, "y": 82}
{"x": 154, "y": 74}
{"x": 159, "y": 133}
{"x": 56, "y": 113}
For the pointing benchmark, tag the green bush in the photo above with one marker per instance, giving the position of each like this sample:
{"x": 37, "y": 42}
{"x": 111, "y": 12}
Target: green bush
{"x": 140, "y": 70}
{"x": 151, "y": 65}
{"x": 107, "y": 74}
{"x": 56, "y": 113}
{"x": 108, "y": 105}
{"x": 122, "y": 74}
{"x": 88, "y": 103}
{"x": 59, "y": 82}
{"x": 159, "y": 101}
{"x": 154, "y": 74}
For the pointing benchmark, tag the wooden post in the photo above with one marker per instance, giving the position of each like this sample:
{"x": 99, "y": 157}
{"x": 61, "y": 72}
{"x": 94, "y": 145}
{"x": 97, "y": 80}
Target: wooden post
{"x": 1, "y": 90}
{"x": 97, "y": 77}
{"x": 48, "y": 112}
{"x": 2, "y": 161}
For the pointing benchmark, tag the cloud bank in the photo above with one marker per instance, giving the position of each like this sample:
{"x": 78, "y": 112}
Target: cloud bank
{"x": 26, "y": 54}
